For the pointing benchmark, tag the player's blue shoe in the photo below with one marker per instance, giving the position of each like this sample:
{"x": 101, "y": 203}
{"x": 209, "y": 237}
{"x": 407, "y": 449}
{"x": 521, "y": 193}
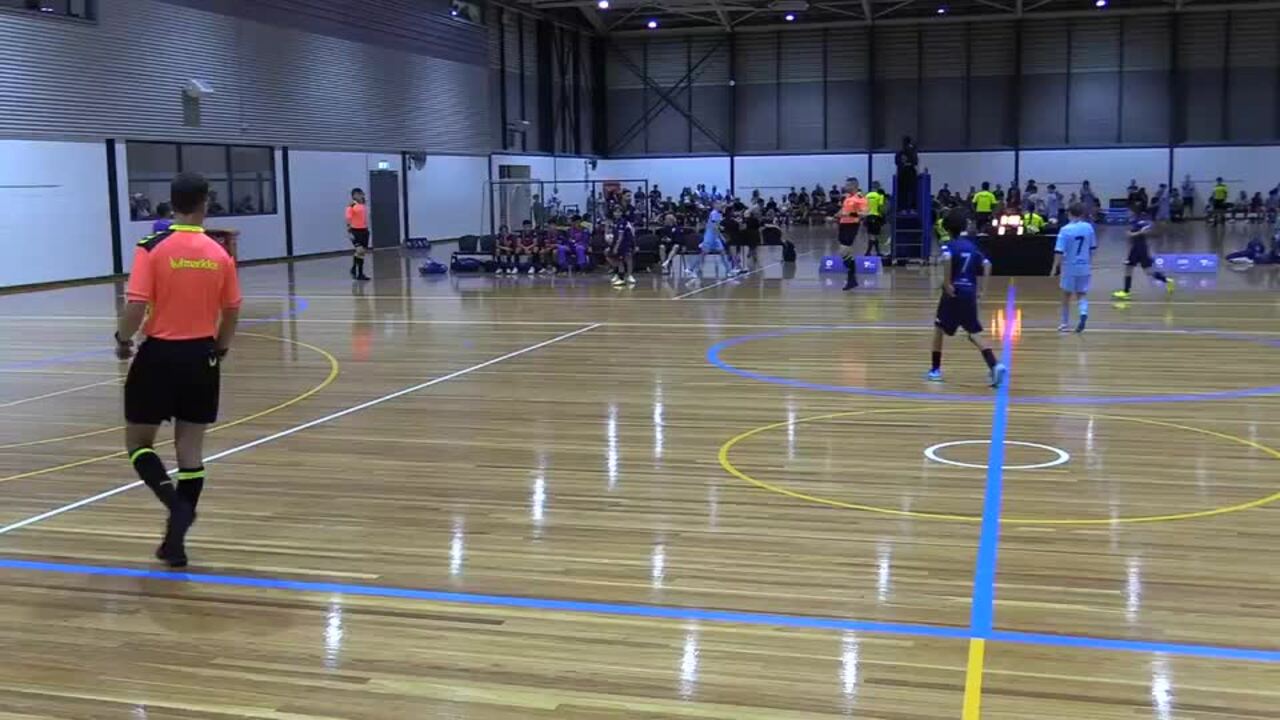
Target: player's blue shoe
{"x": 999, "y": 374}
{"x": 933, "y": 376}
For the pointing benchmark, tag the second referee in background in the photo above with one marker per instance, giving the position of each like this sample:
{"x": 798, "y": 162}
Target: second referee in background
{"x": 183, "y": 286}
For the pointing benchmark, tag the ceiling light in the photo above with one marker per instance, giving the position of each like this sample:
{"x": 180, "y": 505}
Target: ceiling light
{"x": 603, "y": 4}
{"x": 652, "y": 24}
{"x": 789, "y": 17}
{"x": 1099, "y": 3}
{"x": 942, "y": 11}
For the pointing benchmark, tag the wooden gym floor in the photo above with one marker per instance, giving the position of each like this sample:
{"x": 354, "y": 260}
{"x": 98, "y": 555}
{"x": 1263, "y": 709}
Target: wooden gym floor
{"x": 532, "y": 498}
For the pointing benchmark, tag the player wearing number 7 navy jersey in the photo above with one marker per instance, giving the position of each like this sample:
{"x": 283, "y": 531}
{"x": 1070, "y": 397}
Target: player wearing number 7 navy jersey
{"x": 1073, "y": 254}
{"x": 958, "y": 306}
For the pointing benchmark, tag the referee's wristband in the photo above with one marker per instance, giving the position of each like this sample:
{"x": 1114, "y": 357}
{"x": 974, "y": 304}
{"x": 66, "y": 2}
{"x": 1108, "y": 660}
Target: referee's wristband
{"x": 116, "y": 335}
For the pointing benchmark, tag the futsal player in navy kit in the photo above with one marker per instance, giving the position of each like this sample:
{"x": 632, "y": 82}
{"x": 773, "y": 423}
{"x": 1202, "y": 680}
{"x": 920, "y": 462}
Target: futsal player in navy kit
{"x": 958, "y": 306}
{"x": 1140, "y": 256}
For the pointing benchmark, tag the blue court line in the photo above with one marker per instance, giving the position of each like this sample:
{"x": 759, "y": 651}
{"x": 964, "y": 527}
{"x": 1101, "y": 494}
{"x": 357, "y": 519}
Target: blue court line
{"x": 645, "y": 611}
{"x": 982, "y": 609}
{"x": 299, "y": 306}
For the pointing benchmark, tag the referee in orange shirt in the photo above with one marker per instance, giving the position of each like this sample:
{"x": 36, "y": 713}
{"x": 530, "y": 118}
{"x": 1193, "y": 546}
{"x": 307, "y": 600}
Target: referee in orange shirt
{"x": 851, "y": 210}
{"x": 187, "y": 281}
{"x": 358, "y": 228}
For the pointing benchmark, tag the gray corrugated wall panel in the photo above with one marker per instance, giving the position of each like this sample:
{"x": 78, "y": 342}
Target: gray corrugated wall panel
{"x": 422, "y": 27}
{"x": 1094, "y": 90}
{"x": 119, "y": 78}
{"x": 1251, "y": 83}
{"x": 1201, "y": 42}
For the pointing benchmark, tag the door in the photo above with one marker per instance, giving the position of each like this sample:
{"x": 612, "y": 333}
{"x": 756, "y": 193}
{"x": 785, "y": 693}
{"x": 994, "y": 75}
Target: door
{"x": 384, "y": 208}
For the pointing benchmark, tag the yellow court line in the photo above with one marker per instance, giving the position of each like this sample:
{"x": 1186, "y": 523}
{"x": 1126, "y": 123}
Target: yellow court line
{"x": 56, "y": 393}
{"x": 334, "y": 369}
{"x": 733, "y": 470}
{"x": 973, "y": 679}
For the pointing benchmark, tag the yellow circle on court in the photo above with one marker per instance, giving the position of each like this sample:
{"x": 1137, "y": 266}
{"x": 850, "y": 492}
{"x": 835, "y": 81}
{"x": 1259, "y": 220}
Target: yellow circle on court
{"x": 733, "y": 470}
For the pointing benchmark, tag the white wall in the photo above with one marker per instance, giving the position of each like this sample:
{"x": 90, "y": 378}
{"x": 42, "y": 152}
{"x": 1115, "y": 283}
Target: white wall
{"x": 1252, "y": 169}
{"x": 1108, "y": 171}
{"x": 447, "y": 197}
{"x": 321, "y": 184}
{"x": 669, "y": 174}
{"x": 775, "y": 175}
{"x": 55, "y": 213}
{"x": 964, "y": 169}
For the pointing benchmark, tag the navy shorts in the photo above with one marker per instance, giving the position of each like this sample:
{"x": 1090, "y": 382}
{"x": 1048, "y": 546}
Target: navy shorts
{"x": 960, "y": 311}
{"x": 1139, "y": 256}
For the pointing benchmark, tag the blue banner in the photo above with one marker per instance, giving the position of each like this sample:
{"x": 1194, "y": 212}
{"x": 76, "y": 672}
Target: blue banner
{"x": 1187, "y": 263}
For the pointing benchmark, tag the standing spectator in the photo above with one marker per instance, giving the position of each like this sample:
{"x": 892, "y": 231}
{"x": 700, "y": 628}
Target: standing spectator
{"x": 1188, "y": 197}
{"x": 906, "y": 161}
{"x": 984, "y": 203}
{"x": 1053, "y": 205}
{"x": 1175, "y": 205}
{"x": 1160, "y": 204}
{"x": 1088, "y": 201}
{"x": 999, "y": 193}
{"x": 1013, "y": 198}
{"x": 944, "y": 195}
{"x": 1219, "y": 197}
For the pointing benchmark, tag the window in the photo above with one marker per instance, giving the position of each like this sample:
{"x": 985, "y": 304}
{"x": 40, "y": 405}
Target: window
{"x": 81, "y": 9}
{"x": 242, "y": 179}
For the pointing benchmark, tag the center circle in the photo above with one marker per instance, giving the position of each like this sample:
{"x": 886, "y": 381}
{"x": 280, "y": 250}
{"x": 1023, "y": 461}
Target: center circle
{"x": 1061, "y": 456}
{"x": 727, "y": 448}
{"x": 715, "y": 357}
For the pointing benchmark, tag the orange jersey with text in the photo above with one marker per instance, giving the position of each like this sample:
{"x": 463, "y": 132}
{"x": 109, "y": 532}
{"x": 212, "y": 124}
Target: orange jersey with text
{"x": 357, "y": 216}
{"x": 187, "y": 278}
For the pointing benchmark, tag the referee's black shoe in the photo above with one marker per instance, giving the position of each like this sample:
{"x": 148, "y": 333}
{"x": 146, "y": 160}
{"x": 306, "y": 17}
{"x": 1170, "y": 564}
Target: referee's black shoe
{"x": 173, "y": 550}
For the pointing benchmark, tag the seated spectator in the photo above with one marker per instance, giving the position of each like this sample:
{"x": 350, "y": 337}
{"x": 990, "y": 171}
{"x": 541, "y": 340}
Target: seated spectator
{"x": 819, "y": 197}
{"x": 803, "y": 199}
{"x": 164, "y": 217}
{"x": 526, "y": 249}
{"x": 545, "y": 250}
{"x": 505, "y": 251}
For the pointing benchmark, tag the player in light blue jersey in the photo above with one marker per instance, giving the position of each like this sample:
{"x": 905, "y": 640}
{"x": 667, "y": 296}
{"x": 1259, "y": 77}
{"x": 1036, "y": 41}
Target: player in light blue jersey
{"x": 1073, "y": 255}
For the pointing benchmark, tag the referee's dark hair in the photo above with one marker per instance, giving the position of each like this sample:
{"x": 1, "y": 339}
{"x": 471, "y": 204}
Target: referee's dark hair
{"x": 188, "y": 192}
{"x": 956, "y": 222}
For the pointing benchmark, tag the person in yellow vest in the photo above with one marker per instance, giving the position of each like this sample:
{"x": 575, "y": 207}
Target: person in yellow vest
{"x": 1219, "y": 200}
{"x": 850, "y": 217}
{"x": 940, "y": 230}
{"x": 876, "y": 202}
{"x": 1032, "y": 222}
{"x": 984, "y": 203}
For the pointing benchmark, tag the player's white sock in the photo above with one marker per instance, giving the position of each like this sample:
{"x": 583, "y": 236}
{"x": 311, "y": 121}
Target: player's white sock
{"x": 1083, "y": 305}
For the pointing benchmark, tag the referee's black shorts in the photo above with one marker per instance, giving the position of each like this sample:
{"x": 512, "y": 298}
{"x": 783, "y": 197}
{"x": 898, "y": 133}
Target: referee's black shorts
{"x": 360, "y": 237}
{"x": 173, "y": 380}
{"x": 848, "y": 233}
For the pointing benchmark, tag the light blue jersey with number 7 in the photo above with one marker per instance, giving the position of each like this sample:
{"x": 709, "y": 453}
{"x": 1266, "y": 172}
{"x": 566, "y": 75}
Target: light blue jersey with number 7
{"x": 1076, "y": 243}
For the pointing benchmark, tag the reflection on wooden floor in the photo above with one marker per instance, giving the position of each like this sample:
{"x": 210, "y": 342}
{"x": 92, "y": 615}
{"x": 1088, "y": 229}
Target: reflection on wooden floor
{"x": 601, "y": 560}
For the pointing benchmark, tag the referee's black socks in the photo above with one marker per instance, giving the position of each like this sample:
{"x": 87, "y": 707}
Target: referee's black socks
{"x": 150, "y": 469}
{"x": 191, "y": 484}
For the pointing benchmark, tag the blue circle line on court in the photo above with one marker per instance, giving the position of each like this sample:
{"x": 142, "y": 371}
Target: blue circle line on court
{"x": 715, "y": 352}
{"x": 300, "y": 304}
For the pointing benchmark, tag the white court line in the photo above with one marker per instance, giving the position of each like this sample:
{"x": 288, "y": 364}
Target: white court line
{"x": 736, "y": 277}
{"x": 56, "y": 393}
{"x": 299, "y": 428}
